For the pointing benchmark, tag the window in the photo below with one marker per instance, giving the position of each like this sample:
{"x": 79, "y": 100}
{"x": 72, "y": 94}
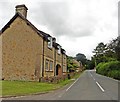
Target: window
{"x": 50, "y": 42}
{"x": 51, "y": 65}
{"x": 64, "y": 52}
{"x": 47, "y": 65}
{"x": 64, "y": 69}
{"x": 59, "y": 50}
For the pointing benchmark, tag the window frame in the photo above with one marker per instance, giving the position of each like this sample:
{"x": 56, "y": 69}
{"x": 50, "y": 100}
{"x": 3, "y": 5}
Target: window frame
{"x": 46, "y": 65}
{"x": 59, "y": 50}
{"x": 50, "y": 42}
{"x": 50, "y": 63}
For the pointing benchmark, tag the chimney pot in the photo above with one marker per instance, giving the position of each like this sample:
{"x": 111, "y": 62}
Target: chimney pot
{"x": 22, "y": 9}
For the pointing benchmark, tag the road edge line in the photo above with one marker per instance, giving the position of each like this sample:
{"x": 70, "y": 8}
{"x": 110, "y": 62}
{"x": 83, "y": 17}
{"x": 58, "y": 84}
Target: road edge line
{"x": 72, "y": 85}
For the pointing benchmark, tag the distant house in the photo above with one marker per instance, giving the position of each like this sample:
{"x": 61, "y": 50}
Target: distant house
{"x": 78, "y": 64}
{"x": 28, "y": 53}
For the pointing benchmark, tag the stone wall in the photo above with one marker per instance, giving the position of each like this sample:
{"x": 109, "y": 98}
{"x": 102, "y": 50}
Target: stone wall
{"x": 22, "y": 52}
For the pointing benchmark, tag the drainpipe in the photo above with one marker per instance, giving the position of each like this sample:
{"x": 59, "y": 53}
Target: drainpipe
{"x": 43, "y": 60}
{"x": 62, "y": 63}
{"x": 55, "y": 62}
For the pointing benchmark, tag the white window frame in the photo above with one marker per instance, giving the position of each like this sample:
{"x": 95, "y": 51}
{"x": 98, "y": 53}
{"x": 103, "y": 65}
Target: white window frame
{"x": 51, "y": 66}
{"x": 64, "y": 52}
{"x": 59, "y": 50}
{"x": 50, "y": 42}
{"x": 64, "y": 69}
{"x": 47, "y": 65}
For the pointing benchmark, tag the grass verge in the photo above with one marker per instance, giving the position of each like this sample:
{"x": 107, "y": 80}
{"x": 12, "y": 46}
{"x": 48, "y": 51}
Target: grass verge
{"x": 18, "y": 88}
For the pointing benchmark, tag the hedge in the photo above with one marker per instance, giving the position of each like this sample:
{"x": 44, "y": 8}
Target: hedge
{"x": 110, "y": 69}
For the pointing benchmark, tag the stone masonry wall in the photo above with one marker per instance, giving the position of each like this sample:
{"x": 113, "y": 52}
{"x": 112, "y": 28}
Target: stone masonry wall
{"x": 22, "y": 52}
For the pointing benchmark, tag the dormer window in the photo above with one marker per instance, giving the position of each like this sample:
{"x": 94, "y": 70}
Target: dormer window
{"x": 64, "y": 52}
{"x": 59, "y": 50}
{"x": 50, "y": 42}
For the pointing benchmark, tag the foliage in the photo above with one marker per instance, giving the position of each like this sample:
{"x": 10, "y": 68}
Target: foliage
{"x": 110, "y": 69}
{"x": 106, "y": 57}
{"x": 104, "y": 53}
{"x": 16, "y": 88}
{"x": 81, "y": 57}
{"x": 117, "y": 48}
{"x": 100, "y": 49}
{"x": 70, "y": 64}
{"x": 90, "y": 64}
{"x": 114, "y": 74}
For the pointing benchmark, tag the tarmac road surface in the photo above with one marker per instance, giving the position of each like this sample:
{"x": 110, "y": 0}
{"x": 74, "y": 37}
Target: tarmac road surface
{"x": 89, "y": 86}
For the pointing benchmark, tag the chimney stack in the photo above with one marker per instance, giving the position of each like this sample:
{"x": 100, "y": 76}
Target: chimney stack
{"x": 22, "y": 9}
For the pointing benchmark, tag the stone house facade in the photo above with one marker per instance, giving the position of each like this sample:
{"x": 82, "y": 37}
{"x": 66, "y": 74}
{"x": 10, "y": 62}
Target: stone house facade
{"x": 28, "y": 53}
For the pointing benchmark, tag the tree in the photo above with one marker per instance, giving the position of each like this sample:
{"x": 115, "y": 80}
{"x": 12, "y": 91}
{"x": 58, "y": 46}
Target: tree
{"x": 100, "y": 51}
{"x": 107, "y": 52}
{"x": 117, "y": 48}
{"x": 81, "y": 57}
{"x": 90, "y": 64}
{"x": 71, "y": 66}
{"x": 114, "y": 48}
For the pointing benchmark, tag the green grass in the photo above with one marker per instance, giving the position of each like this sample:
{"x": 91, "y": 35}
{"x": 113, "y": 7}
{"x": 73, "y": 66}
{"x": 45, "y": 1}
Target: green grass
{"x": 16, "y": 88}
{"x": 21, "y": 88}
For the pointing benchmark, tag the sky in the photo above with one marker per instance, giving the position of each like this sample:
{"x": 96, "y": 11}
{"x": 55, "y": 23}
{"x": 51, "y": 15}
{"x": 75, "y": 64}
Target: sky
{"x": 77, "y": 25}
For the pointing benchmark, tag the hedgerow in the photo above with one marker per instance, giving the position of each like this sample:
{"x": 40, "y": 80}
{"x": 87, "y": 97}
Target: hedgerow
{"x": 110, "y": 69}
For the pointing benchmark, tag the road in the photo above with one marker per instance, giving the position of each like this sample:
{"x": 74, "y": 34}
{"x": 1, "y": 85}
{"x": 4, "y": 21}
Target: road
{"x": 89, "y": 86}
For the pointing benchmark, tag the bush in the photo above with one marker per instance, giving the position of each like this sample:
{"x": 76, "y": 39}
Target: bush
{"x": 111, "y": 69}
{"x": 114, "y": 74}
{"x": 90, "y": 64}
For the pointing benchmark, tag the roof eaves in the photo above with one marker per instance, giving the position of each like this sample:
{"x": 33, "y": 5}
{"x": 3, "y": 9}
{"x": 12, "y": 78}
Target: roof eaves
{"x": 45, "y": 35}
{"x": 63, "y": 51}
{"x": 28, "y": 23}
{"x": 0, "y": 32}
{"x": 8, "y": 24}
{"x": 55, "y": 45}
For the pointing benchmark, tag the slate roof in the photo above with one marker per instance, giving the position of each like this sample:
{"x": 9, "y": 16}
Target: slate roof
{"x": 45, "y": 35}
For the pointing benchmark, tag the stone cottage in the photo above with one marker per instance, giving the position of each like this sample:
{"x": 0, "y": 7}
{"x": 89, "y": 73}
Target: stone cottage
{"x": 29, "y": 53}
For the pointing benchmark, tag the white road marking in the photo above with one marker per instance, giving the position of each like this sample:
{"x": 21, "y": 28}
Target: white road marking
{"x": 59, "y": 96}
{"x": 98, "y": 83}
{"x": 100, "y": 86}
{"x": 68, "y": 88}
{"x": 92, "y": 76}
{"x": 71, "y": 85}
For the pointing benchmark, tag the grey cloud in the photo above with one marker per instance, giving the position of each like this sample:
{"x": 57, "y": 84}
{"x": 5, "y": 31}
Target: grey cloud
{"x": 56, "y": 17}
{"x": 53, "y": 15}
{"x": 6, "y": 12}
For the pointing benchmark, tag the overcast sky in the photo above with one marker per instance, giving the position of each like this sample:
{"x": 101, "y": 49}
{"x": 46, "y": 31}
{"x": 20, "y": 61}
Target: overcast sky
{"x": 78, "y": 25}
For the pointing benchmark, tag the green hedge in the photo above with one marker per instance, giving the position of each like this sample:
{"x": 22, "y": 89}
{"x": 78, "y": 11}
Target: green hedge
{"x": 110, "y": 69}
{"x": 114, "y": 74}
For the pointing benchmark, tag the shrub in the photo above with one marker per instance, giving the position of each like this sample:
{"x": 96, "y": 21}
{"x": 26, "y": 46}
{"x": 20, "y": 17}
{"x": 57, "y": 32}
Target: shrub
{"x": 111, "y": 69}
{"x": 114, "y": 74}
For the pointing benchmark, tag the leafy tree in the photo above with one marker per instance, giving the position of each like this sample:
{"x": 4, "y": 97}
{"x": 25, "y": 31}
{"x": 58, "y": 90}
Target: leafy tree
{"x": 107, "y": 58}
{"x": 117, "y": 48}
{"x": 114, "y": 49}
{"x": 71, "y": 66}
{"x": 81, "y": 57}
{"x": 100, "y": 51}
{"x": 90, "y": 64}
